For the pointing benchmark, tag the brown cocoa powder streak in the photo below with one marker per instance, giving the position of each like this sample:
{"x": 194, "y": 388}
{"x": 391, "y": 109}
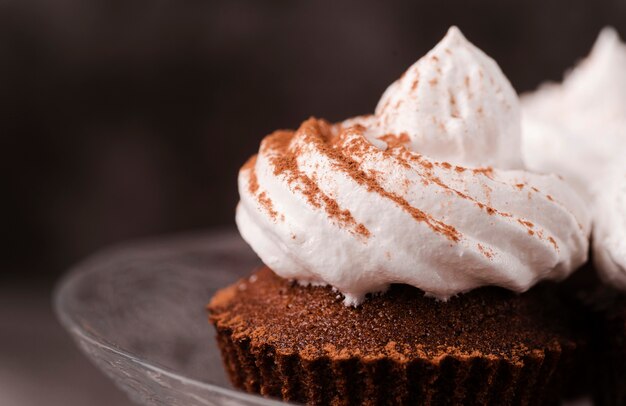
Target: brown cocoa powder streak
{"x": 428, "y": 176}
{"x": 526, "y": 223}
{"x": 556, "y": 246}
{"x": 488, "y": 172}
{"x": 485, "y": 251}
{"x": 351, "y": 168}
{"x": 284, "y": 162}
{"x": 253, "y": 187}
{"x": 253, "y": 184}
{"x": 318, "y": 132}
{"x": 394, "y": 140}
{"x": 267, "y": 203}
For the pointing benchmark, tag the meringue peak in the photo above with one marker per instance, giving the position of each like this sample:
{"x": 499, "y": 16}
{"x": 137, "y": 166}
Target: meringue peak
{"x": 455, "y": 104}
{"x": 454, "y": 36}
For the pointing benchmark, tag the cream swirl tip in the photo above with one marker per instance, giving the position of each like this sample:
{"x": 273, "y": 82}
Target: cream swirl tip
{"x": 454, "y": 104}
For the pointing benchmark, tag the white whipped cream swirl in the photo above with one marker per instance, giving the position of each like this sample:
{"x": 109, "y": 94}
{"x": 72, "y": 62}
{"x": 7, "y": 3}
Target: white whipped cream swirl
{"x": 609, "y": 229}
{"x": 578, "y": 129}
{"x": 575, "y": 128}
{"x": 363, "y": 204}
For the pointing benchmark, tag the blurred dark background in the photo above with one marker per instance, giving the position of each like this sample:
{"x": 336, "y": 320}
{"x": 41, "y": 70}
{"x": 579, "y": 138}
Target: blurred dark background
{"x": 126, "y": 118}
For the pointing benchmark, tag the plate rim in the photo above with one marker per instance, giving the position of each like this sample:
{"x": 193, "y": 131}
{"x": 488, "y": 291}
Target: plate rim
{"x": 63, "y": 288}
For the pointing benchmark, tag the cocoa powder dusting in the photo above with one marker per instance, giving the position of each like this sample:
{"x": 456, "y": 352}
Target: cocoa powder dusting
{"x": 361, "y": 229}
{"x": 351, "y": 168}
{"x": 526, "y": 223}
{"x": 278, "y": 140}
{"x": 253, "y": 183}
{"x": 430, "y": 177}
{"x": 253, "y": 188}
{"x": 267, "y": 204}
{"x": 395, "y": 140}
{"x": 454, "y": 110}
{"x": 485, "y": 251}
{"x": 284, "y": 163}
{"x": 529, "y": 227}
{"x": 488, "y": 171}
{"x": 342, "y": 148}
{"x": 556, "y": 247}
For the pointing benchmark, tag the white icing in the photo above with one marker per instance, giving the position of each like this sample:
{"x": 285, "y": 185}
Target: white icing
{"x": 414, "y": 218}
{"x": 609, "y": 232}
{"x": 578, "y": 129}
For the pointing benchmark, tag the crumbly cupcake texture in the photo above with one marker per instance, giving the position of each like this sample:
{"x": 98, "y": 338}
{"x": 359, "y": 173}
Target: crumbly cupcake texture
{"x": 301, "y": 344}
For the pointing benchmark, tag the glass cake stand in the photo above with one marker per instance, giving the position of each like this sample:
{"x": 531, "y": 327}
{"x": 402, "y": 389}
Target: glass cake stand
{"x": 138, "y": 312}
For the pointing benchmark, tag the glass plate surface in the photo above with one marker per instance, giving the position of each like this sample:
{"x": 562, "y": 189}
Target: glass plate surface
{"x": 138, "y": 312}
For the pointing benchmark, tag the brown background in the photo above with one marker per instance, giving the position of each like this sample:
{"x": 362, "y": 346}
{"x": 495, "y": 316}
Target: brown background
{"x": 126, "y": 118}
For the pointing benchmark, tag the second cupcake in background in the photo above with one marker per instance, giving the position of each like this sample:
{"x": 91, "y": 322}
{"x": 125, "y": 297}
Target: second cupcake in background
{"x": 578, "y": 129}
{"x": 404, "y": 252}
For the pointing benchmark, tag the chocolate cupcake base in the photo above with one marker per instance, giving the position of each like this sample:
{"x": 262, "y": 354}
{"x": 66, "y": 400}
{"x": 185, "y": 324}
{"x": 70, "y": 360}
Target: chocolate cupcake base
{"x": 302, "y": 344}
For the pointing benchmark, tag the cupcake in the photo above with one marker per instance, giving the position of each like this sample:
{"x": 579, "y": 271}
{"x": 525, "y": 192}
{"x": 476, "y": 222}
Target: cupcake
{"x": 302, "y": 344}
{"x": 578, "y": 129}
{"x": 409, "y": 255}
